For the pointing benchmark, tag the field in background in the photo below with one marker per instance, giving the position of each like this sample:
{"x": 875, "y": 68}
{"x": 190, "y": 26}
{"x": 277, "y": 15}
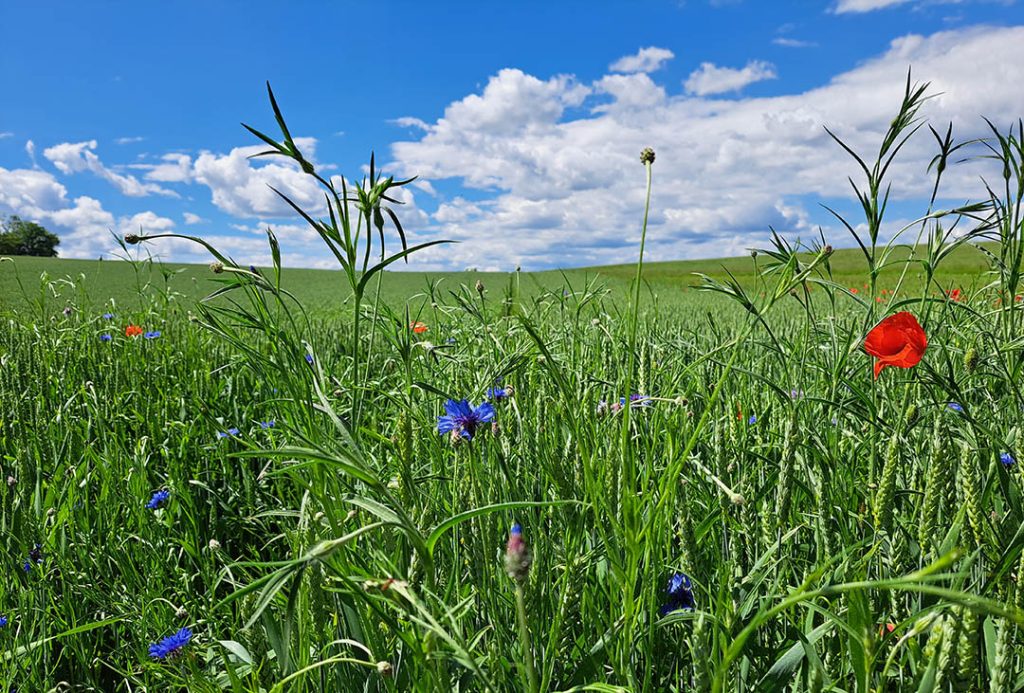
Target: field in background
{"x": 112, "y": 283}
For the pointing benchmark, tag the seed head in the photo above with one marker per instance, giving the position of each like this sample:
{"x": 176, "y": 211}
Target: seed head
{"x": 971, "y": 360}
{"x": 385, "y": 670}
{"x": 479, "y": 287}
{"x": 132, "y": 238}
{"x": 181, "y": 614}
{"x": 647, "y": 156}
{"x": 217, "y": 267}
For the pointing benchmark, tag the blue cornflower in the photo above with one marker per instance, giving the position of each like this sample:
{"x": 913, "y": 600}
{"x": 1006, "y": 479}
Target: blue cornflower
{"x": 108, "y": 316}
{"x": 3, "y": 621}
{"x": 796, "y": 394}
{"x": 1007, "y": 459}
{"x": 955, "y": 406}
{"x": 450, "y": 340}
{"x": 231, "y": 432}
{"x": 171, "y": 645}
{"x": 309, "y": 359}
{"x": 462, "y": 418}
{"x": 497, "y": 393}
{"x": 35, "y": 556}
{"x": 105, "y": 337}
{"x": 158, "y": 500}
{"x": 267, "y": 424}
{"x": 635, "y": 400}
{"x": 752, "y": 420}
{"x": 678, "y": 594}
{"x": 151, "y": 335}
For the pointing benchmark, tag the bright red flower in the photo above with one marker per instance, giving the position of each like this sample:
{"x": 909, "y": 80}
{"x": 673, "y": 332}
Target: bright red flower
{"x": 132, "y": 331}
{"x": 418, "y": 327}
{"x": 955, "y": 294}
{"x": 899, "y": 341}
{"x": 854, "y": 290}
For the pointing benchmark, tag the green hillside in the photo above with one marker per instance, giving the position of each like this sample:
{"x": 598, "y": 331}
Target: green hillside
{"x": 30, "y": 281}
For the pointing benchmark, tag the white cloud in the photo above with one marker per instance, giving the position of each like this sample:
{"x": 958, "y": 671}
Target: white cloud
{"x": 557, "y": 189}
{"x": 176, "y": 168}
{"x": 75, "y": 157}
{"x": 646, "y": 60}
{"x": 191, "y": 218}
{"x": 848, "y": 6}
{"x": 711, "y": 79}
{"x": 128, "y": 140}
{"x": 793, "y": 43}
{"x": 5, "y": 135}
{"x": 85, "y": 228}
{"x": 240, "y": 186}
{"x": 30, "y": 149}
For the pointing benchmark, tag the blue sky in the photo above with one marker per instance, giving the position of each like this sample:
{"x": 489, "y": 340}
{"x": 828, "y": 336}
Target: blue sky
{"x": 524, "y": 120}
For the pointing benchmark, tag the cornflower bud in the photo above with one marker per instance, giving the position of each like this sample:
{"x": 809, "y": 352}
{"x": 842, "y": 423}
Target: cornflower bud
{"x": 647, "y": 156}
{"x": 517, "y": 555}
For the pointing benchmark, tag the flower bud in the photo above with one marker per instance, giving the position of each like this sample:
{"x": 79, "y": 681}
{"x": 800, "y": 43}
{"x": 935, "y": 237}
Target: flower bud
{"x": 647, "y": 156}
{"x": 385, "y": 669}
{"x": 479, "y": 287}
{"x": 214, "y": 545}
{"x": 216, "y": 267}
{"x": 132, "y": 238}
{"x": 517, "y": 555}
{"x": 181, "y": 613}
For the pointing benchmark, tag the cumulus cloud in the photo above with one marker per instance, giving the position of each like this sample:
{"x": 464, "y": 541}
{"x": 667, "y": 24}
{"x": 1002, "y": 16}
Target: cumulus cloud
{"x": 191, "y": 218}
{"x": 85, "y": 228}
{"x": 646, "y": 60}
{"x": 567, "y": 189}
{"x": 75, "y": 157}
{"x": 241, "y": 186}
{"x": 711, "y": 79}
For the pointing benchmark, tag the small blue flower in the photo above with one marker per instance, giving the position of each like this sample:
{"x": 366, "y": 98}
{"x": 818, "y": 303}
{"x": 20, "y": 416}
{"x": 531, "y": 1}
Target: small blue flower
{"x": 309, "y": 359}
{"x": 108, "y": 316}
{"x": 796, "y": 394}
{"x": 105, "y": 337}
{"x": 450, "y": 340}
{"x": 678, "y": 594}
{"x": 752, "y": 420}
{"x": 1007, "y": 459}
{"x": 955, "y": 406}
{"x": 462, "y": 418}
{"x": 158, "y": 500}
{"x": 171, "y": 645}
{"x": 151, "y": 335}
{"x": 635, "y": 400}
{"x": 3, "y": 621}
{"x": 230, "y": 432}
{"x": 497, "y": 393}
{"x": 267, "y": 424}
{"x": 35, "y": 557}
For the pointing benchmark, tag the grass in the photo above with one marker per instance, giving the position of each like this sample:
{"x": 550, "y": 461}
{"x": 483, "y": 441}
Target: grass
{"x": 710, "y": 491}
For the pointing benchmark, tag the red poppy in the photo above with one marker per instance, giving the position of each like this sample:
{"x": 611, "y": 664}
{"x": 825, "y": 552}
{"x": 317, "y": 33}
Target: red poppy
{"x": 418, "y": 327}
{"x": 132, "y": 331}
{"x": 1017, "y": 298}
{"x": 887, "y": 628}
{"x": 878, "y": 299}
{"x": 955, "y": 294}
{"x": 853, "y": 290}
{"x": 897, "y": 341}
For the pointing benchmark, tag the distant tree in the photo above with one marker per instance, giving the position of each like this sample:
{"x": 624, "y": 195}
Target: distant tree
{"x": 20, "y": 237}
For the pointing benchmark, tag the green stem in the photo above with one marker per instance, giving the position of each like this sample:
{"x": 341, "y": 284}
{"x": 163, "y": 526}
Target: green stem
{"x": 524, "y": 639}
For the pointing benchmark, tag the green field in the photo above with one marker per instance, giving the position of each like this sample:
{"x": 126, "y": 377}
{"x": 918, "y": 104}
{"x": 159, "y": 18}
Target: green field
{"x": 802, "y": 477}
{"x": 111, "y": 283}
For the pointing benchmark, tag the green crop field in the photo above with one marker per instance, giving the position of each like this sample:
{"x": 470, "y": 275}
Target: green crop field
{"x": 798, "y": 472}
